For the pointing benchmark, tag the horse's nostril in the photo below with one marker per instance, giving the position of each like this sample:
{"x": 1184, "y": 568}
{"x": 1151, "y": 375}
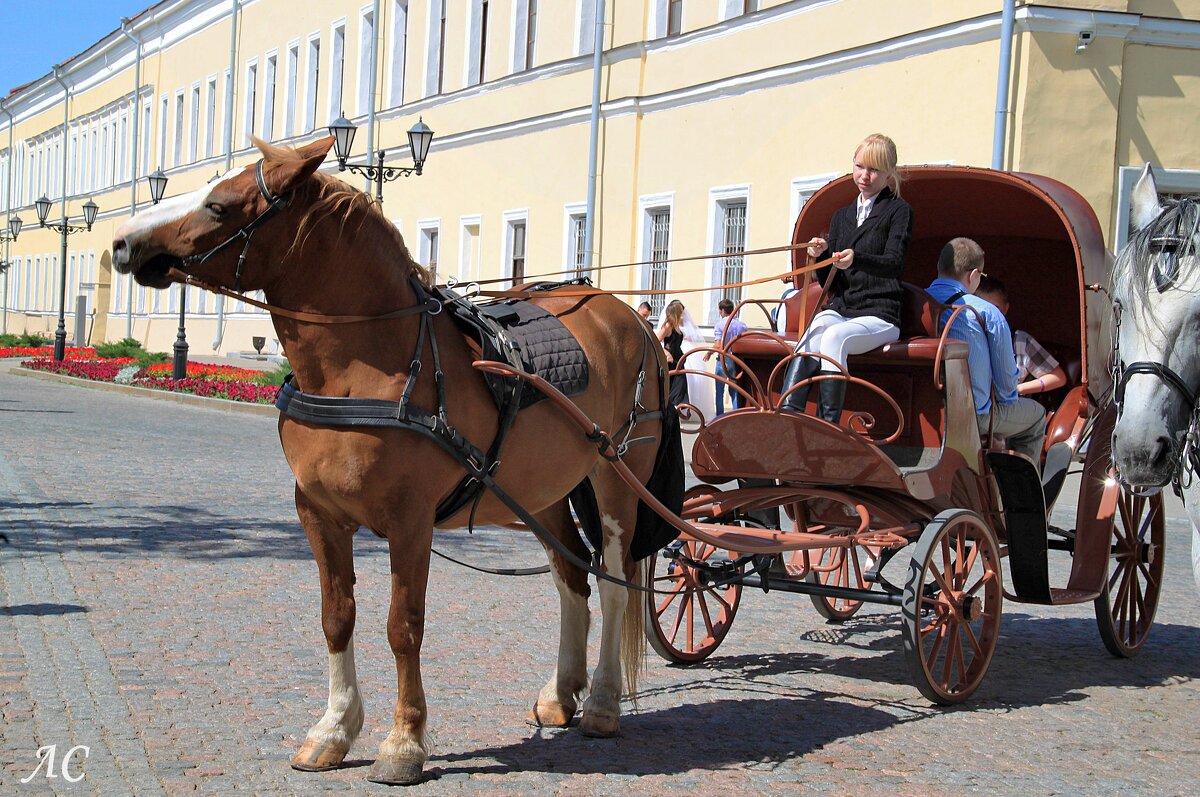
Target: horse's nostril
{"x": 119, "y": 245}
{"x": 1162, "y": 451}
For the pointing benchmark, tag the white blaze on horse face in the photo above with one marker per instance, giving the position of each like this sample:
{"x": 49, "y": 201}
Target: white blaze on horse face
{"x": 170, "y": 210}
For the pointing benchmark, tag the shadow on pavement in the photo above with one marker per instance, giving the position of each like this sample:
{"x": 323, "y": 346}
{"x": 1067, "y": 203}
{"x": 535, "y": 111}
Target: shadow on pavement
{"x": 42, "y": 609}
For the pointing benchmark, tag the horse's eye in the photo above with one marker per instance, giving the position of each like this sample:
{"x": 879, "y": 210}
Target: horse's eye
{"x": 215, "y": 208}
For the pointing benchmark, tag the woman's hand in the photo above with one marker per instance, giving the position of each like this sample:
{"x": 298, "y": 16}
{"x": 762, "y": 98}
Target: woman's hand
{"x": 844, "y": 258}
{"x": 816, "y": 246}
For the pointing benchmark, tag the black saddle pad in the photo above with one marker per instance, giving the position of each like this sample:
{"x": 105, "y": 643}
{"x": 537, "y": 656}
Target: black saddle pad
{"x": 544, "y": 345}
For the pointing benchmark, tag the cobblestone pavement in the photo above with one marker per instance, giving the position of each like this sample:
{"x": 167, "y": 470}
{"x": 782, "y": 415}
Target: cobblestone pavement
{"x": 158, "y": 604}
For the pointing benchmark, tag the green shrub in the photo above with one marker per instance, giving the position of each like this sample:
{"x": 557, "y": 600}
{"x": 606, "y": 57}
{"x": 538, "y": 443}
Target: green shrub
{"x": 130, "y": 347}
{"x": 275, "y": 376}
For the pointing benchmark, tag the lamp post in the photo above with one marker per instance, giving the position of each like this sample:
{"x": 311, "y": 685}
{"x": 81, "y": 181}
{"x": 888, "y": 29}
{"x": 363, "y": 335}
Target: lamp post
{"x": 14, "y": 229}
{"x": 419, "y": 139}
{"x": 179, "y": 351}
{"x": 64, "y": 228}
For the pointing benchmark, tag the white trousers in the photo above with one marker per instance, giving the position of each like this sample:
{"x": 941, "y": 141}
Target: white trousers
{"x": 837, "y": 337}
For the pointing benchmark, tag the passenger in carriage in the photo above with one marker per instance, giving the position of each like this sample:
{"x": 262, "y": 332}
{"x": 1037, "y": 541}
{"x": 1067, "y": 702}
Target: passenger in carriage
{"x": 990, "y": 357}
{"x": 1037, "y": 370}
{"x": 867, "y": 242}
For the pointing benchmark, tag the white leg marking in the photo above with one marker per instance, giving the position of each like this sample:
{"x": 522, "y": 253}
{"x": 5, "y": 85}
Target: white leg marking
{"x": 344, "y": 713}
{"x": 606, "y": 683}
{"x": 570, "y": 676}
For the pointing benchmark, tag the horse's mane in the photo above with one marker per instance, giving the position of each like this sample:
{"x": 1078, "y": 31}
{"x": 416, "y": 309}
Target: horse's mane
{"x": 1132, "y": 270}
{"x": 328, "y": 197}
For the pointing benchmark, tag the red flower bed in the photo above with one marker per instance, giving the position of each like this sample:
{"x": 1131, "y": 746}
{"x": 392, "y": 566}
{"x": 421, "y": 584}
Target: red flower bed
{"x": 71, "y": 352}
{"x": 211, "y": 381}
{"x": 223, "y": 373}
{"x": 99, "y": 370}
{"x": 214, "y": 388}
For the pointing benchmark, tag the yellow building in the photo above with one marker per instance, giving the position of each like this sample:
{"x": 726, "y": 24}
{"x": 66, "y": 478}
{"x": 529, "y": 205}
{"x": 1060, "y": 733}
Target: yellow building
{"x": 716, "y": 119}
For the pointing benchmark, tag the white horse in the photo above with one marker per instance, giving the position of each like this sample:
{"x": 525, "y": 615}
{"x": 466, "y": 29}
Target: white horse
{"x": 1156, "y": 294}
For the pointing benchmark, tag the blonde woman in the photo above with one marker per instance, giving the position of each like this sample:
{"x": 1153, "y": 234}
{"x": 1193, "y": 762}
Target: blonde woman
{"x": 868, "y": 241}
{"x": 677, "y": 326}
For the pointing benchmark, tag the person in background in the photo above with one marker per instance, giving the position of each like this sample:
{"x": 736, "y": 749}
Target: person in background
{"x": 644, "y": 310}
{"x": 725, "y": 330}
{"x": 990, "y": 357}
{"x": 672, "y": 332}
{"x": 868, "y": 241}
{"x": 1037, "y": 370}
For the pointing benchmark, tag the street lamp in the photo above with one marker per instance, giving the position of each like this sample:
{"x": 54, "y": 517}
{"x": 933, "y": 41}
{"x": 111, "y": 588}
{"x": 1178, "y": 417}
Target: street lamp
{"x": 419, "y": 139}
{"x": 14, "y": 229}
{"x": 64, "y": 228}
{"x": 179, "y": 352}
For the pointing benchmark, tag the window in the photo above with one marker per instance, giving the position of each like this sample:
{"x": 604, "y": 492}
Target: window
{"x": 736, "y": 8}
{"x": 435, "y": 57}
{"x": 586, "y": 39}
{"x": 194, "y": 141}
{"x": 210, "y": 119}
{"x": 75, "y": 164}
{"x": 660, "y": 252}
{"x": 733, "y": 243}
{"x": 468, "y": 252}
{"x": 478, "y": 42}
{"x": 399, "y": 52}
{"x": 227, "y": 109}
{"x": 337, "y": 68}
{"x": 576, "y": 239}
{"x": 178, "y": 148}
{"x": 514, "y": 245}
{"x": 251, "y": 97}
{"x": 145, "y": 138}
{"x": 429, "y": 247}
{"x": 268, "y": 121}
{"x": 530, "y": 33}
{"x": 289, "y": 92}
{"x": 674, "y": 17}
{"x": 365, "y": 46}
{"x": 314, "y": 79}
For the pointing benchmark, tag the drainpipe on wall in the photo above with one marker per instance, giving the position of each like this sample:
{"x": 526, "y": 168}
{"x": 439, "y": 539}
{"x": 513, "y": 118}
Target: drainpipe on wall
{"x": 594, "y": 143}
{"x": 1002, "y": 81}
{"x": 8, "y": 207}
{"x": 371, "y": 98}
{"x": 59, "y": 339}
{"x": 216, "y": 344}
{"x": 137, "y": 93}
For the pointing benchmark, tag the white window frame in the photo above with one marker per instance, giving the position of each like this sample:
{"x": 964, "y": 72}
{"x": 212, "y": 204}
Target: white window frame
{"x": 511, "y": 219}
{"x": 250, "y": 93}
{"x": 585, "y": 27}
{"x": 293, "y": 76}
{"x": 570, "y": 252}
{"x": 464, "y": 251}
{"x": 424, "y": 227}
{"x": 802, "y": 189}
{"x": 210, "y": 118}
{"x": 366, "y": 32}
{"x": 194, "y": 140}
{"x": 647, "y": 205}
{"x": 270, "y": 83}
{"x": 520, "y": 36}
{"x": 476, "y": 49}
{"x": 1168, "y": 181}
{"x": 398, "y": 53}
{"x": 177, "y": 151}
{"x": 337, "y": 68}
{"x": 738, "y": 8}
{"x": 434, "y": 50}
{"x": 719, "y": 199}
{"x": 312, "y": 80}
{"x": 147, "y": 115}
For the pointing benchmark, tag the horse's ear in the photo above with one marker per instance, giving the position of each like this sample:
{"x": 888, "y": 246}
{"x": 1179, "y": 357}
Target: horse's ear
{"x": 283, "y": 176}
{"x": 1144, "y": 205}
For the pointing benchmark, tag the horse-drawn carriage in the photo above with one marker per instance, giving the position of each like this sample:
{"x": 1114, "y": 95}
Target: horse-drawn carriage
{"x": 902, "y": 503}
{"x": 402, "y": 431}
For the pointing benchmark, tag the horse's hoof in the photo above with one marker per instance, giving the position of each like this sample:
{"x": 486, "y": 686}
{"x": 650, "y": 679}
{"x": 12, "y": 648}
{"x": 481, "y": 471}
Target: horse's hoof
{"x": 319, "y": 756}
{"x": 600, "y": 726}
{"x": 549, "y": 715}
{"x": 398, "y": 772}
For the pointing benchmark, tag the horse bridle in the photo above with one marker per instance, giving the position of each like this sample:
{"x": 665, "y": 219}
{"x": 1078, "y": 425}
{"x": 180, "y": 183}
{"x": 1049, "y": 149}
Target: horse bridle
{"x": 274, "y": 205}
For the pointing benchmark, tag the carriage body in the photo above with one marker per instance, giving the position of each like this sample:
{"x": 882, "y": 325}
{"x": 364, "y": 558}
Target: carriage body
{"x": 906, "y": 468}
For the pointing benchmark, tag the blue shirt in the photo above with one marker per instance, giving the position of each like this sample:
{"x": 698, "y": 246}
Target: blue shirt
{"x": 990, "y": 355}
{"x": 736, "y": 327}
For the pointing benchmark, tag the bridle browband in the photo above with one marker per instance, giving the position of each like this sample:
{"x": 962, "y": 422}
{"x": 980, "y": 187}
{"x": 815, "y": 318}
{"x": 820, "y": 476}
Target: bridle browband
{"x": 275, "y": 204}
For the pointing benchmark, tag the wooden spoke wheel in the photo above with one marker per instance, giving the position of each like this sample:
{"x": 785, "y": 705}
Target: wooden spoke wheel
{"x": 690, "y": 623}
{"x": 1126, "y": 606}
{"x": 951, "y": 606}
{"x": 840, "y": 567}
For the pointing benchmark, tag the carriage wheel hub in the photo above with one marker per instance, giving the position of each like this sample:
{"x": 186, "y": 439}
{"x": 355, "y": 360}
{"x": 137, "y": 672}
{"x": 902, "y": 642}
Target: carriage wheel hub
{"x": 972, "y": 608}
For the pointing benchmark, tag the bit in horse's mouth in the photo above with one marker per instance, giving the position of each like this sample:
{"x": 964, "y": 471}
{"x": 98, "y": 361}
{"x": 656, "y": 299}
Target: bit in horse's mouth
{"x": 153, "y": 274}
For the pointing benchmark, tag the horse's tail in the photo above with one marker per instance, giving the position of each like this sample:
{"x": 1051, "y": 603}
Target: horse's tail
{"x": 633, "y": 632}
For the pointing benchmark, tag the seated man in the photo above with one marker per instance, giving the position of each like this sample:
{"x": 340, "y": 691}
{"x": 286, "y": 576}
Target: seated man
{"x": 990, "y": 355}
{"x": 1037, "y": 370}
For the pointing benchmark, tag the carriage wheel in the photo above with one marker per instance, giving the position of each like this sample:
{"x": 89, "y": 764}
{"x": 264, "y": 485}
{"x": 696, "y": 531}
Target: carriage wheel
{"x": 841, "y": 567}
{"x": 1125, "y": 609}
{"x": 951, "y": 606}
{"x": 688, "y": 625}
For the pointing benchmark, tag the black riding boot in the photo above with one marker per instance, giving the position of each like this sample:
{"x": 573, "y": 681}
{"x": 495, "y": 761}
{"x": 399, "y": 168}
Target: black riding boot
{"x": 798, "y": 370}
{"x": 831, "y": 397}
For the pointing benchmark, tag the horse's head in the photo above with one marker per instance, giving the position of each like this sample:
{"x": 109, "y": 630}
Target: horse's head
{"x": 204, "y": 232}
{"x": 1156, "y": 288}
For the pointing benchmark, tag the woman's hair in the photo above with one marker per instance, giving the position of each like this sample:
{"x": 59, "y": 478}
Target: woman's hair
{"x": 674, "y": 314}
{"x": 879, "y": 152}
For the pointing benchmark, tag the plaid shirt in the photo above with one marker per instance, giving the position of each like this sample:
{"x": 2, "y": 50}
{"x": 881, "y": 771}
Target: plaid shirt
{"x": 1033, "y": 361}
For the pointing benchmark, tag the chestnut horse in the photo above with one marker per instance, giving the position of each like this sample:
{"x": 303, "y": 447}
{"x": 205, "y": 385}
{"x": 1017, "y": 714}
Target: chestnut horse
{"x": 315, "y": 246}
